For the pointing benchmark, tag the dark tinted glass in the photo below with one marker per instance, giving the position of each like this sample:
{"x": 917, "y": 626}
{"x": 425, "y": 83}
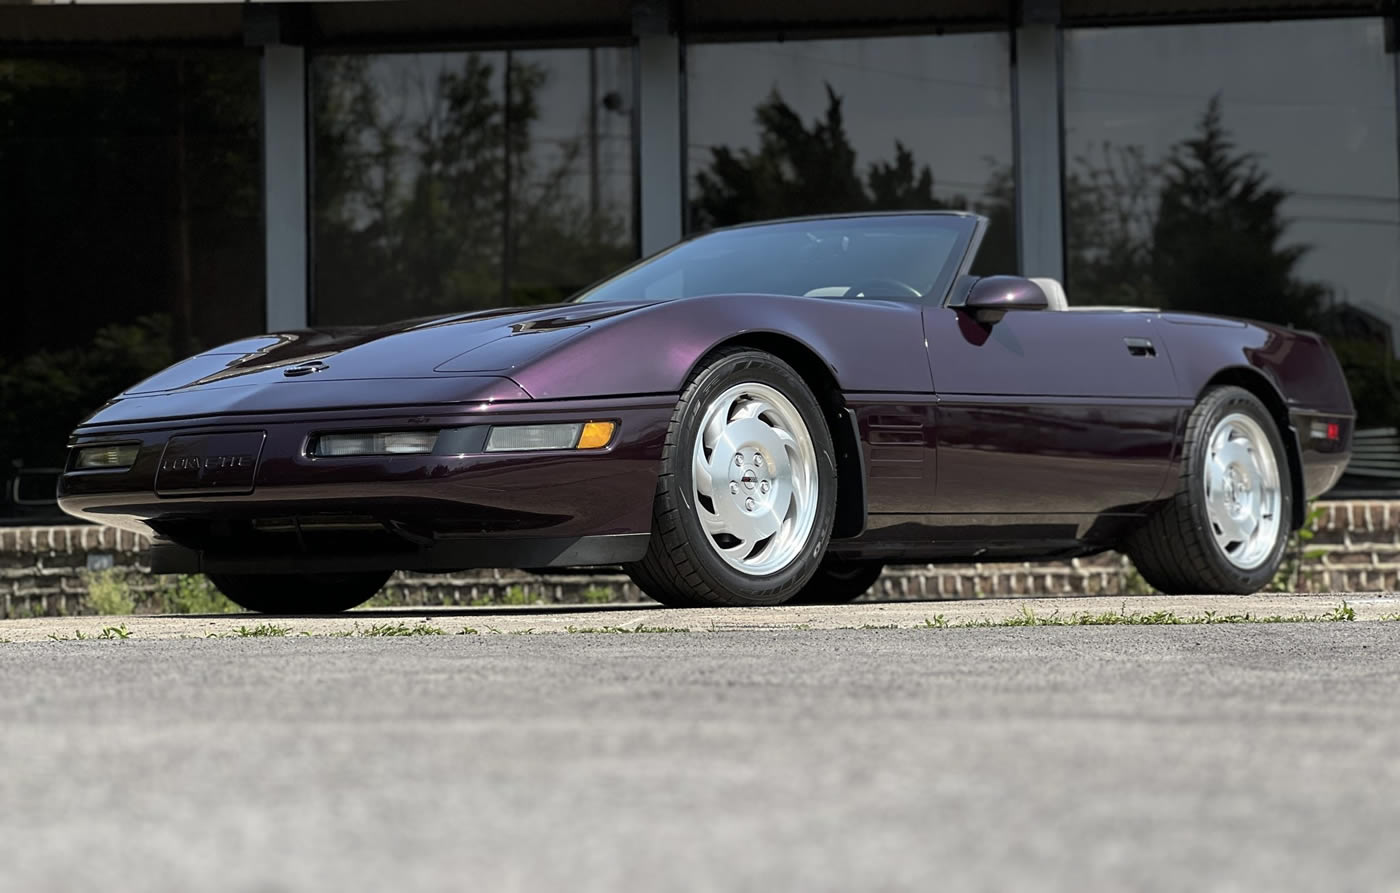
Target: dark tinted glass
{"x": 454, "y": 181}
{"x": 832, "y": 126}
{"x": 1248, "y": 170}
{"x": 130, "y": 234}
{"x": 883, "y": 257}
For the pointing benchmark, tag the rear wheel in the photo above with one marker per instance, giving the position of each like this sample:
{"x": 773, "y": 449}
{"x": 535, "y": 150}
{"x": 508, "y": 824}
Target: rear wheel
{"x": 300, "y": 593}
{"x": 1227, "y": 527}
{"x": 747, "y": 492}
{"x": 838, "y": 581}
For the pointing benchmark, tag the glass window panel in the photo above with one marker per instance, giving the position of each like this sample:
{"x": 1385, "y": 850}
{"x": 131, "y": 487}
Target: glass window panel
{"x": 130, "y": 234}
{"x": 455, "y": 181}
{"x": 1248, "y": 170}
{"x": 572, "y": 189}
{"x": 823, "y": 126}
{"x": 889, "y": 256}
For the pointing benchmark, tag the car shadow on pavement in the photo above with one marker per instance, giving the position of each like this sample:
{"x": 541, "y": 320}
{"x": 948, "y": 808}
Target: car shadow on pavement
{"x": 453, "y": 611}
{"x": 558, "y": 610}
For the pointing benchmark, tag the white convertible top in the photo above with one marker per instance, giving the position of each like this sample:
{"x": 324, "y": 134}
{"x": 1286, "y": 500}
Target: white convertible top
{"x": 1055, "y": 294}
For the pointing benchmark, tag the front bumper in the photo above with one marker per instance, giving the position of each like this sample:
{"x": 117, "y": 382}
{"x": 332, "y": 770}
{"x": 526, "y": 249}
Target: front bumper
{"x": 412, "y": 512}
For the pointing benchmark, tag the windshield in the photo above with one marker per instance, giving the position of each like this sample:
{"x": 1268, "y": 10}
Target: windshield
{"x": 906, "y": 257}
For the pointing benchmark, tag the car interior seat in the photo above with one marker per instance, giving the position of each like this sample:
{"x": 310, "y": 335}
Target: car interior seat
{"x": 1054, "y": 293}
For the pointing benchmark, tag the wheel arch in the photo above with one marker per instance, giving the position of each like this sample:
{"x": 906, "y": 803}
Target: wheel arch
{"x": 840, "y": 422}
{"x": 1258, "y": 384}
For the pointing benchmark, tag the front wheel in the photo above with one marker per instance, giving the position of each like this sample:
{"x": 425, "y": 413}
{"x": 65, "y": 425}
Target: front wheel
{"x": 747, "y": 492}
{"x": 1227, "y": 527}
{"x": 300, "y": 593}
{"x": 839, "y": 581}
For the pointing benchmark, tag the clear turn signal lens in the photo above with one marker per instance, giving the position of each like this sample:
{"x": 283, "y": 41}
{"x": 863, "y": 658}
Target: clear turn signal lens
{"x": 376, "y": 443}
{"x": 518, "y": 438}
{"x": 115, "y": 456}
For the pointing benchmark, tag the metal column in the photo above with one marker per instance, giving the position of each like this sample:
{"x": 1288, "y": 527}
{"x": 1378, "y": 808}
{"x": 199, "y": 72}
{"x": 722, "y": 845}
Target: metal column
{"x": 285, "y": 185}
{"x": 1039, "y": 199}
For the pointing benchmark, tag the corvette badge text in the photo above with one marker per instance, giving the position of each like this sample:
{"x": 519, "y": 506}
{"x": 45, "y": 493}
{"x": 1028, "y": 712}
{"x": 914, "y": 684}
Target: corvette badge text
{"x": 210, "y": 463}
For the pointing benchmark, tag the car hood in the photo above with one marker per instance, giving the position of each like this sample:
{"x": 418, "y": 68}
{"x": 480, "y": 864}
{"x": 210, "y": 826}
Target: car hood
{"x": 486, "y": 342}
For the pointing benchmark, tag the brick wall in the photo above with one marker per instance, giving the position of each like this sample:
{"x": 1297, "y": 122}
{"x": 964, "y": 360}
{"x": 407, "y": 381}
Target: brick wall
{"x": 1355, "y": 548}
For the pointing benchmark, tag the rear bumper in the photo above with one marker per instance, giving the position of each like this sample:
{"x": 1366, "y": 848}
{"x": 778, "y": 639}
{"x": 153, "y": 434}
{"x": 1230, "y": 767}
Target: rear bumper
{"x": 1324, "y": 459}
{"x": 425, "y": 512}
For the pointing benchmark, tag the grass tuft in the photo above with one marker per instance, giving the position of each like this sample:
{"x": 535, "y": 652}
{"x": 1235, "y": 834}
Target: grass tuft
{"x": 261, "y": 630}
{"x": 639, "y": 628}
{"x": 108, "y": 632}
{"x": 421, "y": 628}
{"x": 1343, "y": 612}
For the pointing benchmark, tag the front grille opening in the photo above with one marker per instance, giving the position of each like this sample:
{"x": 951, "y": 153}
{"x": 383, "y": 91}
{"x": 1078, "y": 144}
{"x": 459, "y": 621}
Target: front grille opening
{"x": 287, "y": 536}
{"x": 345, "y": 533}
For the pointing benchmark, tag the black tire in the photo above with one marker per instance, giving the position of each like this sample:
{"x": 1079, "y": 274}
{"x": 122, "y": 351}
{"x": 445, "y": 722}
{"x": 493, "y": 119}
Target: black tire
{"x": 1176, "y": 551}
{"x": 300, "y": 593}
{"x": 681, "y": 569}
{"x": 839, "y": 581}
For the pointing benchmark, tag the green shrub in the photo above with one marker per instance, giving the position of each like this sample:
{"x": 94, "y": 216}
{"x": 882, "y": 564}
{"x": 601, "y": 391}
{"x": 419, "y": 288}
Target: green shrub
{"x": 109, "y": 592}
{"x": 1290, "y": 573}
{"x": 598, "y": 595}
{"x": 190, "y": 594}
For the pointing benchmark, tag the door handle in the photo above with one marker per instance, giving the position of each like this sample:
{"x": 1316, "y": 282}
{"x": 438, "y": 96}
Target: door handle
{"x": 1140, "y": 347}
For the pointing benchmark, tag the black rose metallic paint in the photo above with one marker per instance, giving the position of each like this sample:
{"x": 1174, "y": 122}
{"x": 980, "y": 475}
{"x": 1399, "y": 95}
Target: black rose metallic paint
{"x": 1037, "y": 433}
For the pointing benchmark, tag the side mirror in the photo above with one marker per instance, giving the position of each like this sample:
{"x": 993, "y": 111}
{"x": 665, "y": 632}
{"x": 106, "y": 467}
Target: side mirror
{"x": 992, "y": 296}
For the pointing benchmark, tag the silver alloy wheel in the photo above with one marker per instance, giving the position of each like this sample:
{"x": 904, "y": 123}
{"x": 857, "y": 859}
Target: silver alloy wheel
{"x": 1242, "y": 491}
{"x": 755, "y": 478}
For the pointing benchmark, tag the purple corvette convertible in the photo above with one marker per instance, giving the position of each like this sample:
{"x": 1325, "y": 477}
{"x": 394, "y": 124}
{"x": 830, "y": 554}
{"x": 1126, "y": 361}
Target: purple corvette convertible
{"x": 762, "y": 414}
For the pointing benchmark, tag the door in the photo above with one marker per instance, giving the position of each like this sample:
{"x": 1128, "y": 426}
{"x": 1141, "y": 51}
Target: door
{"x": 1050, "y": 412}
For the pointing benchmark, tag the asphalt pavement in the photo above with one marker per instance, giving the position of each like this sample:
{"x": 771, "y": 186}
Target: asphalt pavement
{"x": 540, "y": 619}
{"x": 1233, "y": 757}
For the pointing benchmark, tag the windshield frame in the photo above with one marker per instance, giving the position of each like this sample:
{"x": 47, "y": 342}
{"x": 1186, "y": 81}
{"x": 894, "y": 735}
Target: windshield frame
{"x": 969, "y": 238}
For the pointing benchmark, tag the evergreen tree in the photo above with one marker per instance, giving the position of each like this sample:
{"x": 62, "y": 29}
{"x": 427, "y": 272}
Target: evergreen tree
{"x": 1216, "y": 243}
{"x": 796, "y": 170}
{"x": 800, "y": 169}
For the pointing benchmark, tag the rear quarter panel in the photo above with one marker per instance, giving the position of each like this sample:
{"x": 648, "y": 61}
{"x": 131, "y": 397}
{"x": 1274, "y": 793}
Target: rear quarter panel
{"x": 1299, "y": 365}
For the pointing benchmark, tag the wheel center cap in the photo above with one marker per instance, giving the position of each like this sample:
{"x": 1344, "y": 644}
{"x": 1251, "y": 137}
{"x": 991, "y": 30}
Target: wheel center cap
{"x": 1237, "y": 490}
{"x": 749, "y": 480}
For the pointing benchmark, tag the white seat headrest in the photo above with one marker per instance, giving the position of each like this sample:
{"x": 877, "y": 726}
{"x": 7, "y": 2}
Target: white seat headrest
{"x": 1054, "y": 293}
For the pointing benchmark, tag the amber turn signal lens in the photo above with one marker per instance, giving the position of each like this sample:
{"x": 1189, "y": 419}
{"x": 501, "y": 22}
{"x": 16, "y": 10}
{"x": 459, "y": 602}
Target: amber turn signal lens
{"x": 596, "y": 435}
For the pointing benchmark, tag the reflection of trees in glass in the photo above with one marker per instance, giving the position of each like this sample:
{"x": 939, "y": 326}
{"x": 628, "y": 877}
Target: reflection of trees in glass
{"x": 799, "y": 169}
{"x": 411, "y": 210}
{"x": 1110, "y": 210}
{"x": 1217, "y": 241}
{"x": 44, "y": 395}
{"x": 130, "y": 183}
{"x": 1202, "y": 230}
{"x": 130, "y": 189}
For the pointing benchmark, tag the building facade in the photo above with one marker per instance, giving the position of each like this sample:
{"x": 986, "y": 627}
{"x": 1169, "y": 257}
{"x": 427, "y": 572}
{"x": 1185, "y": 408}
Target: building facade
{"x": 178, "y": 175}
